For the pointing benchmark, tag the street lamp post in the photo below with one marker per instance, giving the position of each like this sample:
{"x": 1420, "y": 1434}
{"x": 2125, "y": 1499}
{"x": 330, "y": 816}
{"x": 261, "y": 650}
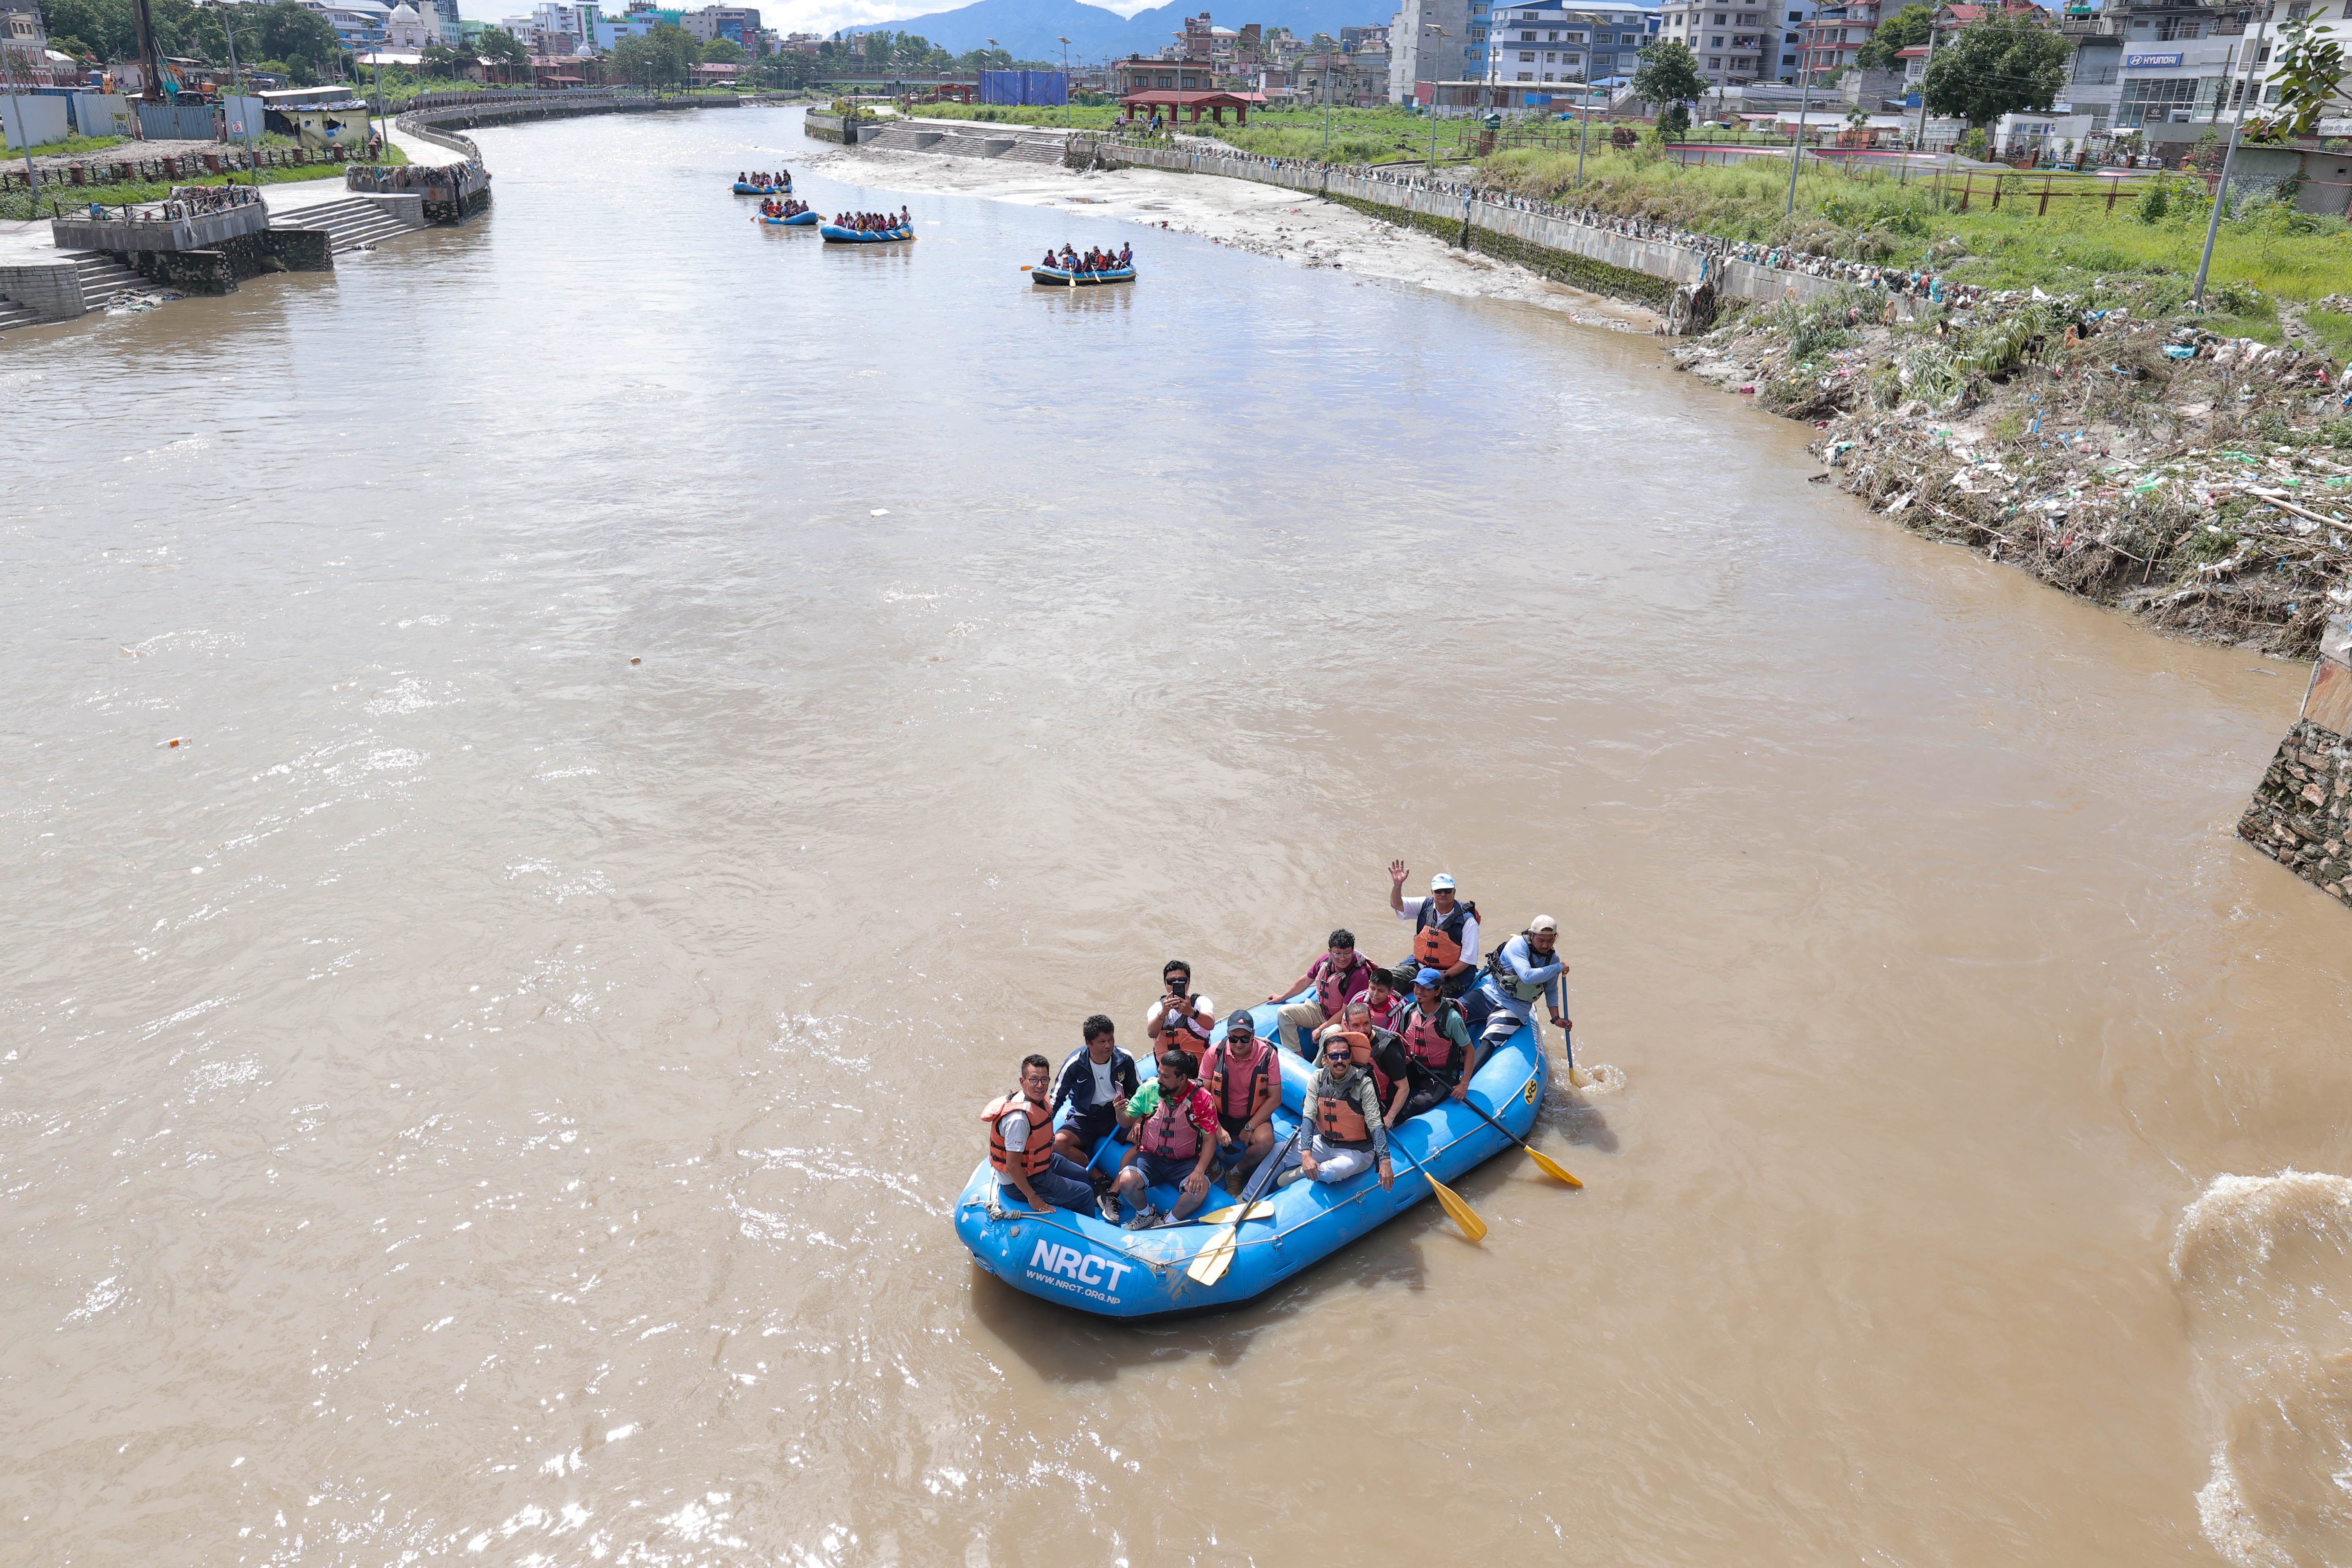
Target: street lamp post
{"x": 1426, "y": 28}
{"x": 228, "y": 30}
{"x": 1797, "y": 152}
{"x": 2221, "y": 187}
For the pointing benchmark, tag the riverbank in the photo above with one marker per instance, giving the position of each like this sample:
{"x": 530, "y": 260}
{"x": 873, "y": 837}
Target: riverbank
{"x": 1287, "y": 226}
{"x": 2160, "y": 464}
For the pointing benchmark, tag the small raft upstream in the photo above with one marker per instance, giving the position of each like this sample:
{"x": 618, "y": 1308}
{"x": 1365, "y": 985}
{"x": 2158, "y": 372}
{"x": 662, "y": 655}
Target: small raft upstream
{"x": 795, "y": 221}
{"x": 1081, "y": 1261}
{"x": 835, "y": 235}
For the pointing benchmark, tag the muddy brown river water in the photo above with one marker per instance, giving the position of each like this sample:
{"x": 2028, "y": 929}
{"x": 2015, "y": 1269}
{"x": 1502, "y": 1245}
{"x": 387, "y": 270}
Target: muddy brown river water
{"x": 483, "y": 1098}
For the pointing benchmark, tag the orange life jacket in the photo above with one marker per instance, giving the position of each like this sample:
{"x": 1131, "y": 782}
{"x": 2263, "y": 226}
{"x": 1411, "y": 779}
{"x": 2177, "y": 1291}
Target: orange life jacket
{"x": 1340, "y": 1121}
{"x": 1170, "y": 1132}
{"x": 1425, "y": 1040}
{"x": 1039, "y": 1154}
{"x": 1194, "y": 1039}
{"x": 1359, "y": 1051}
{"x": 1437, "y": 939}
{"x": 1219, "y": 1069}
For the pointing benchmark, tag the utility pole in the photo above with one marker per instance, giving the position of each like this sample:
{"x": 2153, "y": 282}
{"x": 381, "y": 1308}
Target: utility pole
{"x": 228, "y": 30}
{"x": 2221, "y": 187}
{"x": 24, "y": 132}
{"x": 1932, "y": 34}
{"x": 1797, "y": 152}
{"x": 1428, "y": 27}
{"x": 150, "y": 64}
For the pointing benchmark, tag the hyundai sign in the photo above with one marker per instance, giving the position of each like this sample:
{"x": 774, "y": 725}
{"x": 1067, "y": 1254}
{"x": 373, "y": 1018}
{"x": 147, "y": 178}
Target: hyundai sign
{"x": 2141, "y": 62}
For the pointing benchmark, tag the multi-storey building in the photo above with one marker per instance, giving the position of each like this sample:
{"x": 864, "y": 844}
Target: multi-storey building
{"x": 1834, "y": 37}
{"x": 730, "y": 22}
{"x": 1435, "y": 40}
{"x": 1736, "y": 44}
{"x": 1549, "y": 41}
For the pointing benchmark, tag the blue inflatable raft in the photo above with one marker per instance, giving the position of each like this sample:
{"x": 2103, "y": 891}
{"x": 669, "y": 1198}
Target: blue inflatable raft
{"x": 743, "y": 190}
{"x": 1081, "y": 1261}
{"x": 796, "y": 220}
{"x": 837, "y": 236}
{"x": 1054, "y": 278}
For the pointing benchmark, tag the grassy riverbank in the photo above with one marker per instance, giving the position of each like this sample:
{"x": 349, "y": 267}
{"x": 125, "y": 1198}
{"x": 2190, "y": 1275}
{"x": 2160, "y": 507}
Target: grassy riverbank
{"x": 1918, "y": 223}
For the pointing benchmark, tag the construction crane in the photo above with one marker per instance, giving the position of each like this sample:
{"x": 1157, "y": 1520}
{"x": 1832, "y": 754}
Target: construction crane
{"x": 150, "y": 64}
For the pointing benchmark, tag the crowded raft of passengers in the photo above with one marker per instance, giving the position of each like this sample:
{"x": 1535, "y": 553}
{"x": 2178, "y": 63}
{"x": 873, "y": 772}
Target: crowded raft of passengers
{"x": 1387, "y": 1044}
{"x": 875, "y": 223}
{"x": 782, "y": 180}
{"x": 1093, "y": 260}
{"x": 786, "y": 208}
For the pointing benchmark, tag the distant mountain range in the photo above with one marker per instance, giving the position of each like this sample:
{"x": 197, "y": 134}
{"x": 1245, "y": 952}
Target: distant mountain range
{"x": 1032, "y": 29}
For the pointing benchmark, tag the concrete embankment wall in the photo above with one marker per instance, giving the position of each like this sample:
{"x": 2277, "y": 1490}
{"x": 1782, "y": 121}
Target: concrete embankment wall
{"x": 826, "y": 126}
{"x": 1599, "y": 259}
{"x": 2301, "y": 816}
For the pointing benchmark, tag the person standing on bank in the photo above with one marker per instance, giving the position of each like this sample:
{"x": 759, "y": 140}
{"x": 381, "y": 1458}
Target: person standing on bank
{"x": 1021, "y": 1146}
{"x": 1095, "y": 1082}
{"x": 1339, "y": 977}
{"x": 1445, "y": 930}
{"x": 1181, "y": 1020}
{"x": 1521, "y": 972}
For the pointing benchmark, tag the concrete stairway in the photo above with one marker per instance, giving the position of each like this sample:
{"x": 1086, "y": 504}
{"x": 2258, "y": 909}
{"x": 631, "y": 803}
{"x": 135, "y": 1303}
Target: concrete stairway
{"x": 105, "y": 279}
{"x": 352, "y": 222}
{"x": 12, "y": 314}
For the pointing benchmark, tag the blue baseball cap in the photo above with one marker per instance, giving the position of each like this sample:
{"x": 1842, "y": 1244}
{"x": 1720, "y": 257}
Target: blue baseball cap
{"x": 1427, "y": 977}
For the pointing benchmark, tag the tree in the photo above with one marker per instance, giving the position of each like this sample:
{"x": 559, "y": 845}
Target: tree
{"x": 1906, "y": 27}
{"x": 1668, "y": 75}
{"x": 294, "y": 33}
{"x": 2005, "y": 63}
{"x": 504, "y": 50}
{"x": 442, "y": 59}
{"x": 723, "y": 52}
{"x": 2310, "y": 72}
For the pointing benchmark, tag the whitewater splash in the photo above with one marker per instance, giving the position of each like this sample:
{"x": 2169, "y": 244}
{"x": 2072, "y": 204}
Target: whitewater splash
{"x": 2263, "y": 1264}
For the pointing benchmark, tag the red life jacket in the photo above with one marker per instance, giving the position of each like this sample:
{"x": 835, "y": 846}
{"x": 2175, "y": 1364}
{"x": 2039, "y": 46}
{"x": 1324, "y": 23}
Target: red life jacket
{"x": 1039, "y": 1154}
{"x": 1385, "y": 1018}
{"x": 1437, "y": 939}
{"x": 1170, "y": 1132}
{"x": 1228, "y": 1073}
{"x": 1331, "y": 986}
{"x": 1425, "y": 1040}
{"x": 1340, "y": 1121}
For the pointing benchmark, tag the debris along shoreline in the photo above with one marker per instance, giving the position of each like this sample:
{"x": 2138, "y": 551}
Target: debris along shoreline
{"x": 2102, "y": 442}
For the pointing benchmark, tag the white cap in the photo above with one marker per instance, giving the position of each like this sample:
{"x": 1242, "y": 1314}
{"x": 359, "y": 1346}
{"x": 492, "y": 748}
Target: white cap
{"x": 1543, "y": 923}
{"x": 1440, "y": 881}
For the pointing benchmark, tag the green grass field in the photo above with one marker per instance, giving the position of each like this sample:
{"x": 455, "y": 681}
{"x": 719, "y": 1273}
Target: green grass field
{"x": 70, "y": 147}
{"x": 2289, "y": 255}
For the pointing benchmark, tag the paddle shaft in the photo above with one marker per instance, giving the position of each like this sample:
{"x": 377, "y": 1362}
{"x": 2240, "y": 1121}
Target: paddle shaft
{"x": 1460, "y": 1213}
{"x": 1551, "y": 1166}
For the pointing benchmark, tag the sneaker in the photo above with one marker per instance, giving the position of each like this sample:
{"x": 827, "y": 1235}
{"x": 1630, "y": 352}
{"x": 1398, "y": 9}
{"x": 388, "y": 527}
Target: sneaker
{"x": 1145, "y": 1218}
{"x": 1109, "y": 1204}
{"x": 1163, "y": 1222}
{"x": 1292, "y": 1174}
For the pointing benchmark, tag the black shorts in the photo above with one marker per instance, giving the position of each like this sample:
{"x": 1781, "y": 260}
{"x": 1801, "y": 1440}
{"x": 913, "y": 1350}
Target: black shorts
{"x": 1236, "y": 1126}
{"x": 1093, "y": 1125}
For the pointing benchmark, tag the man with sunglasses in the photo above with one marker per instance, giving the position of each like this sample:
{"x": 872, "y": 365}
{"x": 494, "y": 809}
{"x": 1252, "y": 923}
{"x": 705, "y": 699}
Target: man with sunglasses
{"x": 1181, "y": 1020}
{"x": 1445, "y": 930}
{"x": 1350, "y": 1132}
{"x": 1338, "y": 977}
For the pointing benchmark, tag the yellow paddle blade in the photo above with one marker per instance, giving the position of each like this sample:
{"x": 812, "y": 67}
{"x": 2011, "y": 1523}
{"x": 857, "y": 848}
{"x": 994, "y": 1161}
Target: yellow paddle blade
{"x": 1262, "y": 1209}
{"x": 1214, "y": 1259}
{"x": 1463, "y": 1213}
{"x": 1550, "y": 1166}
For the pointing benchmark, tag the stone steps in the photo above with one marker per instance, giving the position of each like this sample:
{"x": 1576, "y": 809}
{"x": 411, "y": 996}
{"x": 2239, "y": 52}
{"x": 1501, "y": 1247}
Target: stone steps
{"x": 104, "y": 279}
{"x": 350, "y": 224}
{"x": 12, "y": 314}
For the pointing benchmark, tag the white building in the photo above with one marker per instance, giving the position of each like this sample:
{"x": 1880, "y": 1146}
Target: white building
{"x": 408, "y": 31}
{"x": 360, "y": 24}
{"x": 1548, "y": 42}
{"x": 1736, "y": 44}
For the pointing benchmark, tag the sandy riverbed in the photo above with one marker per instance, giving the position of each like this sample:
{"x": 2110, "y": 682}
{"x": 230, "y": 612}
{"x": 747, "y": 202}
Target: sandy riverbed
{"x": 1304, "y": 230}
